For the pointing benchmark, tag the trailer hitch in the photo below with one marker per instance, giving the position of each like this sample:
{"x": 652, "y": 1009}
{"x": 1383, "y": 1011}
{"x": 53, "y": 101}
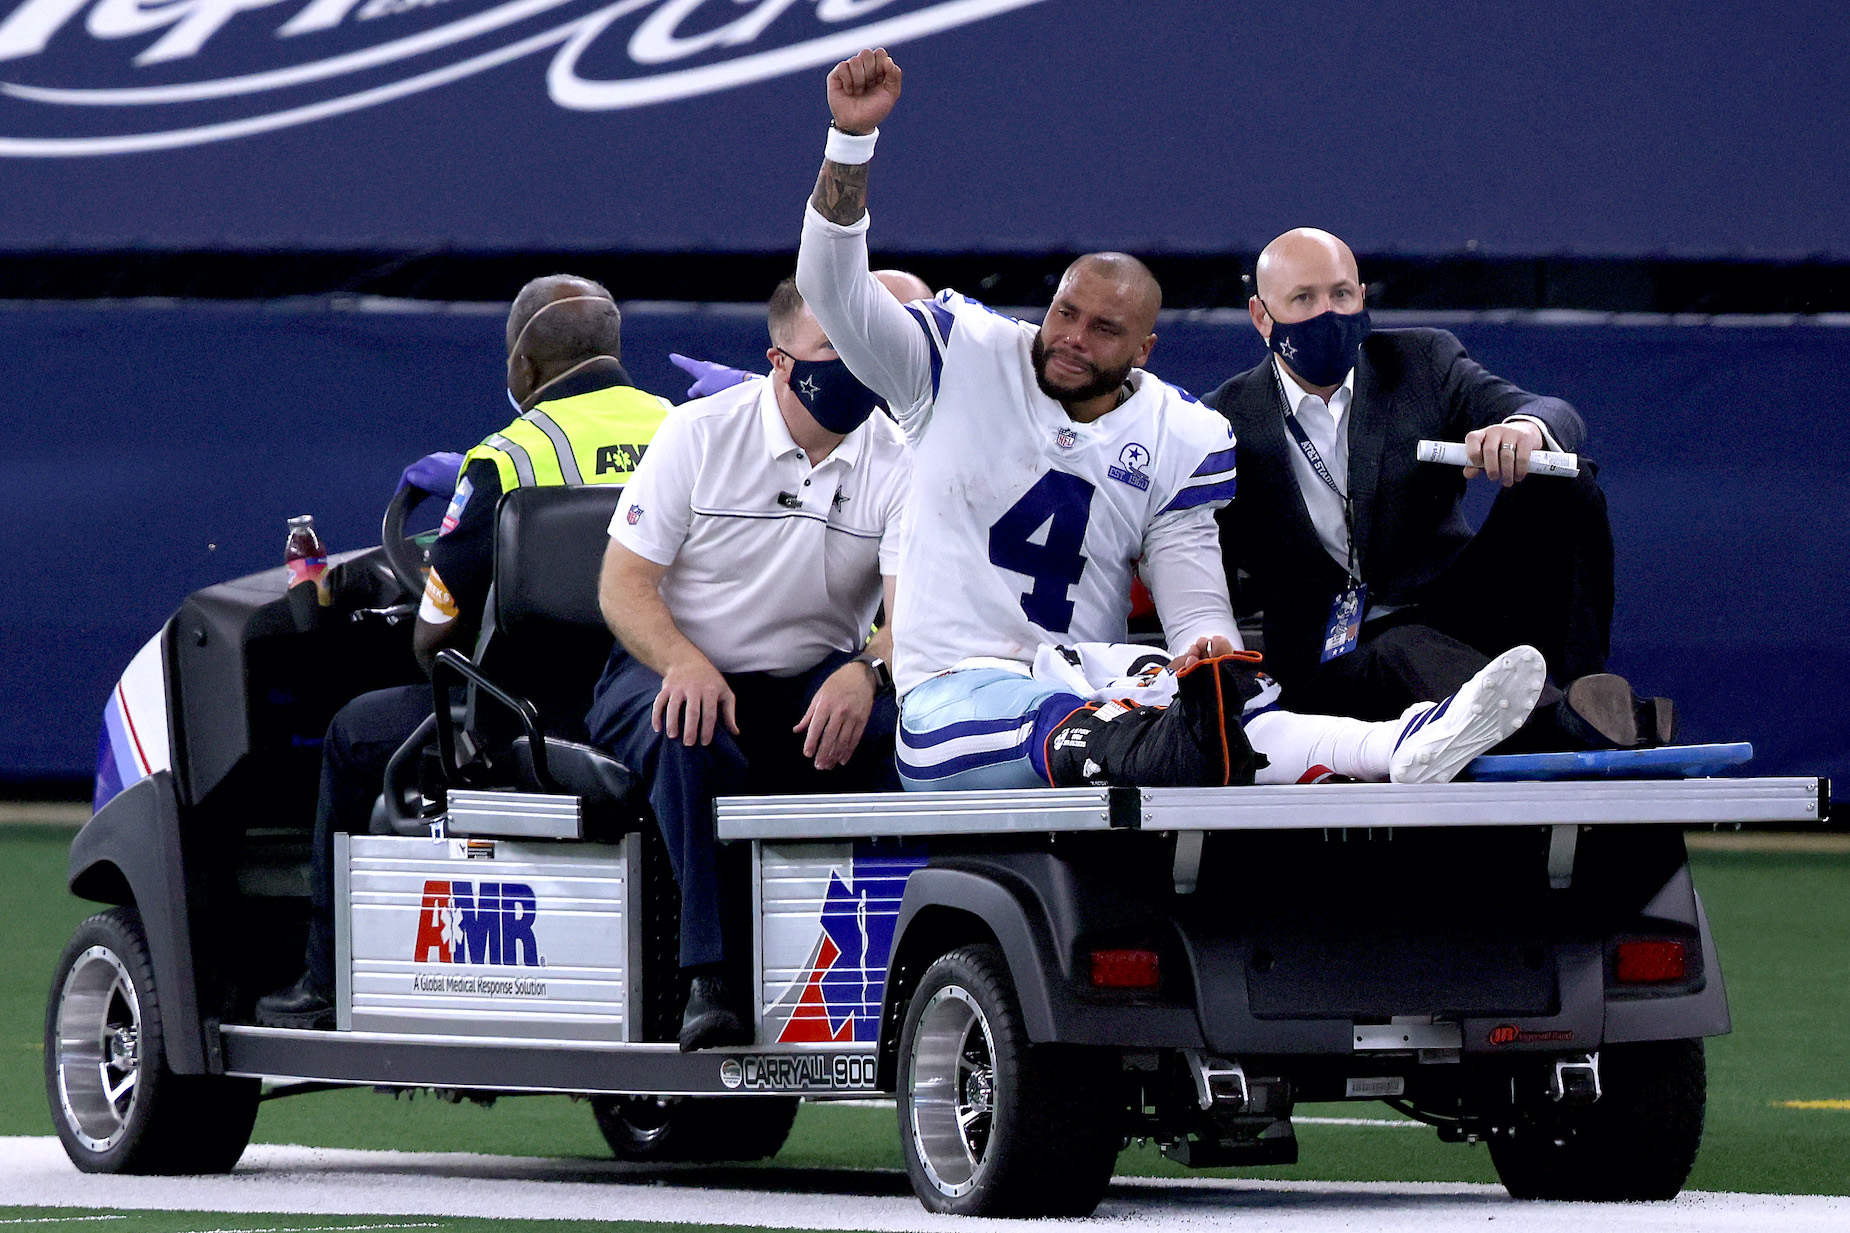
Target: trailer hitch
{"x": 1575, "y": 1079}
{"x": 1217, "y": 1081}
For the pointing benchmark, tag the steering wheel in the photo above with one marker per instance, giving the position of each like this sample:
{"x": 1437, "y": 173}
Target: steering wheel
{"x": 409, "y": 559}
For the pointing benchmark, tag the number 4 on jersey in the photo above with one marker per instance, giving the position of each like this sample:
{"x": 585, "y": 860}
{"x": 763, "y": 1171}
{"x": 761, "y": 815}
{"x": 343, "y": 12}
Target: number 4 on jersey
{"x": 1062, "y": 504}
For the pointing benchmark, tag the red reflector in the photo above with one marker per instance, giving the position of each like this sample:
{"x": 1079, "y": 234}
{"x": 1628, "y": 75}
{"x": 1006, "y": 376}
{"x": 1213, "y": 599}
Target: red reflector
{"x": 1649, "y": 963}
{"x": 1125, "y": 969}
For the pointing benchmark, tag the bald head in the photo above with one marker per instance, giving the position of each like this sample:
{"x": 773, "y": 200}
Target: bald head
{"x": 1299, "y": 273}
{"x": 558, "y": 324}
{"x": 905, "y": 287}
{"x": 1135, "y": 288}
{"x": 569, "y": 332}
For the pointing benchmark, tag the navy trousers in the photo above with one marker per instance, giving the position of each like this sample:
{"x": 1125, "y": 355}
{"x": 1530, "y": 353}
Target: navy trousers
{"x": 361, "y": 739}
{"x": 1539, "y": 571}
{"x": 766, "y": 758}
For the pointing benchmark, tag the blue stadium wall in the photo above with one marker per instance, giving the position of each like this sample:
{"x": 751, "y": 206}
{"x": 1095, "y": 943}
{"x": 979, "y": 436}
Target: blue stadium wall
{"x": 157, "y": 448}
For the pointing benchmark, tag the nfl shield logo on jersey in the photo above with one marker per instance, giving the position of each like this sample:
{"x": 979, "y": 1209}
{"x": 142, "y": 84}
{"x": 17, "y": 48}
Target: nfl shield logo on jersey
{"x": 634, "y": 516}
{"x": 1066, "y": 438}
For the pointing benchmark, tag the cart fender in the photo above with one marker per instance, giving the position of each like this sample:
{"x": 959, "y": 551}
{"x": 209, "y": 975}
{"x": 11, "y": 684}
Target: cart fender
{"x": 1703, "y": 1013}
{"x": 130, "y": 853}
{"x": 934, "y": 894}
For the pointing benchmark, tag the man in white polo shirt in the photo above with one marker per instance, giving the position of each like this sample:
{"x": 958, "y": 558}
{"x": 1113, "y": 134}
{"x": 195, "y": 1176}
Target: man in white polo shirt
{"x": 747, "y": 561}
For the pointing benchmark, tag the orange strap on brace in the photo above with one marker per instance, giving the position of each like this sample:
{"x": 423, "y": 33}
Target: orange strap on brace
{"x": 1253, "y": 658}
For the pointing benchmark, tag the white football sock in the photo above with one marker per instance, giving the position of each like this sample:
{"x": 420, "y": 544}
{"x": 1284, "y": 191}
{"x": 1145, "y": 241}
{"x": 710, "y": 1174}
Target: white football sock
{"x": 1293, "y": 744}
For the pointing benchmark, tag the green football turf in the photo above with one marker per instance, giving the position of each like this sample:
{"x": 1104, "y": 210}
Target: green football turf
{"x": 1782, "y": 923}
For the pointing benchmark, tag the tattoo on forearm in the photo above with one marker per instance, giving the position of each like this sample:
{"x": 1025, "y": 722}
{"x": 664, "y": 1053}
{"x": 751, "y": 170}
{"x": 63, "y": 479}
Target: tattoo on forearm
{"x": 841, "y": 192}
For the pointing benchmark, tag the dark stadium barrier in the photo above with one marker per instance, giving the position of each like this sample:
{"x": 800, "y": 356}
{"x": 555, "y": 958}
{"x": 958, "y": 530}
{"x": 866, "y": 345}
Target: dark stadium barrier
{"x": 159, "y": 447}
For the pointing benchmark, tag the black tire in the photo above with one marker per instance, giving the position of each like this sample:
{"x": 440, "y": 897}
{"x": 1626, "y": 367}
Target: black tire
{"x": 656, "y": 1129}
{"x": 1637, "y": 1141}
{"x": 117, "y": 1107}
{"x": 1022, "y": 1129}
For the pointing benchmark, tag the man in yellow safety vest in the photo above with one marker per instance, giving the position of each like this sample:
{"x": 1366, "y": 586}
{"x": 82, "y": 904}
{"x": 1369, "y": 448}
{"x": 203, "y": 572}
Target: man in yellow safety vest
{"x": 580, "y": 421}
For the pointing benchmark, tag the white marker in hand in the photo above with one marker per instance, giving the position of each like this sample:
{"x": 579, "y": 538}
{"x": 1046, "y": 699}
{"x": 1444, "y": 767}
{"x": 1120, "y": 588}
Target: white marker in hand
{"x": 1541, "y": 462}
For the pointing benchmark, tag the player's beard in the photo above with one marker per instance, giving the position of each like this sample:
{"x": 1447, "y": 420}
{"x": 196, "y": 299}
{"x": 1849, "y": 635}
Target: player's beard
{"x": 1103, "y": 380}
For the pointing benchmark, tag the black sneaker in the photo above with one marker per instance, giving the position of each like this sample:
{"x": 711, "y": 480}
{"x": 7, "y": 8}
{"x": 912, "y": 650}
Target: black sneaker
{"x": 710, "y": 1020}
{"x": 301, "y": 1005}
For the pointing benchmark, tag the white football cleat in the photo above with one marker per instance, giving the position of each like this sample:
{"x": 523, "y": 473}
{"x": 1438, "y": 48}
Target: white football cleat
{"x": 1440, "y": 737}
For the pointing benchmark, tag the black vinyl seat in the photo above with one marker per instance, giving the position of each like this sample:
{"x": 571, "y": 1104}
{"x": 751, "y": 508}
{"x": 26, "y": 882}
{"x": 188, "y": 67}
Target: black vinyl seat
{"x": 549, "y": 642}
{"x": 545, "y": 644}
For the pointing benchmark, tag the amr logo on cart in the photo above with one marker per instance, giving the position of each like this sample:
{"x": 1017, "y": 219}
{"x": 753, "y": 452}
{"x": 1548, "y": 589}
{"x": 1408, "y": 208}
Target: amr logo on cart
{"x": 492, "y": 924}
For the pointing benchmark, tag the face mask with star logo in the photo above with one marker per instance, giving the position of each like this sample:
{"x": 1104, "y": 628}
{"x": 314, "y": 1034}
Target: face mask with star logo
{"x": 1321, "y": 350}
{"x": 833, "y": 396}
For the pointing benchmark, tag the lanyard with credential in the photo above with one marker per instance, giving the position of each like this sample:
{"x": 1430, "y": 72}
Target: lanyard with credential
{"x": 1323, "y": 471}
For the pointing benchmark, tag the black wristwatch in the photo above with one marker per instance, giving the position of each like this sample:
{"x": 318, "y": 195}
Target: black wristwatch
{"x": 883, "y": 675}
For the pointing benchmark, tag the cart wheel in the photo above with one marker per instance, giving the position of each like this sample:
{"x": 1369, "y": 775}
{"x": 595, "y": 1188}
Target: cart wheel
{"x": 1637, "y": 1141}
{"x": 990, "y": 1124}
{"x": 653, "y": 1129}
{"x": 117, "y": 1107}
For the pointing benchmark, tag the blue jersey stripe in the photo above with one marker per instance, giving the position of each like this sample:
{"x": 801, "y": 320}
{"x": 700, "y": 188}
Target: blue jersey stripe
{"x": 1215, "y": 463}
{"x": 931, "y": 341}
{"x": 1202, "y": 494}
{"x": 952, "y": 732}
{"x": 969, "y": 762}
{"x": 943, "y": 316}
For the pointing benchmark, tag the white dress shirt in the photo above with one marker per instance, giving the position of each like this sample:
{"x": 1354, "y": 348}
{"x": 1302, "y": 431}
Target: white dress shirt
{"x": 1327, "y": 426}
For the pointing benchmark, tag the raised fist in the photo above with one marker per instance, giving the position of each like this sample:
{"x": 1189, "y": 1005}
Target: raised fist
{"x": 862, "y": 91}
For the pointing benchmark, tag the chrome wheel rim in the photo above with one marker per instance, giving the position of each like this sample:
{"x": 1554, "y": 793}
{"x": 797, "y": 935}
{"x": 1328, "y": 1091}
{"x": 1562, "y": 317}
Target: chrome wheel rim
{"x": 99, "y": 1049}
{"x": 952, "y": 1096}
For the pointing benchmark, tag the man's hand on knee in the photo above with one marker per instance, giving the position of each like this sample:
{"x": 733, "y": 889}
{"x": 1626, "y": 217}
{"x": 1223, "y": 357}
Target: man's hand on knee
{"x": 837, "y": 716}
{"x": 693, "y": 699}
{"x": 1501, "y": 452}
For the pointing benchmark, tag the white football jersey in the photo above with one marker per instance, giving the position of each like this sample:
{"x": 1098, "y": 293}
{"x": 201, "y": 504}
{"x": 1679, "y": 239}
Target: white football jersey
{"x": 1023, "y": 527}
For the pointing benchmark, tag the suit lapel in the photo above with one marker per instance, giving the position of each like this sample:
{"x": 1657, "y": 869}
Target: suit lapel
{"x": 1369, "y": 417}
{"x": 1265, "y": 441}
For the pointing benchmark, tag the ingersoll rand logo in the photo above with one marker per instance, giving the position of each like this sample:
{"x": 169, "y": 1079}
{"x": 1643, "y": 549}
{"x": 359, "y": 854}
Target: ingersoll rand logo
{"x": 489, "y": 924}
{"x": 90, "y": 77}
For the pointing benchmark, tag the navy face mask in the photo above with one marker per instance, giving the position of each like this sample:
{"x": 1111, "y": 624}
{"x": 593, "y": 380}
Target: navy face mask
{"x": 832, "y": 395}
{"x": 1321, "y": 350}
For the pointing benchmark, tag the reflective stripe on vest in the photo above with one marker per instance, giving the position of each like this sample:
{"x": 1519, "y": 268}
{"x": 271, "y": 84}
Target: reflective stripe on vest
{"x": 594, "y": 438}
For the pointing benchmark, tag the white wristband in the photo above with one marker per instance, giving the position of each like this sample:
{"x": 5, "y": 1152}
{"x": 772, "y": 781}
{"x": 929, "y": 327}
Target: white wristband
{"x": 850, "y": 149}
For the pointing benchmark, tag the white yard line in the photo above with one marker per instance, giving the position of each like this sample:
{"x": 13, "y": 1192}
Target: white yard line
{"x": 34, "y": 1172}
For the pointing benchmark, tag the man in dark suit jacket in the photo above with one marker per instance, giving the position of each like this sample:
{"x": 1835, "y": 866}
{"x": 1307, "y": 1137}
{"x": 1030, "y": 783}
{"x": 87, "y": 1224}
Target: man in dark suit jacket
{"x": 1332, "y": 502}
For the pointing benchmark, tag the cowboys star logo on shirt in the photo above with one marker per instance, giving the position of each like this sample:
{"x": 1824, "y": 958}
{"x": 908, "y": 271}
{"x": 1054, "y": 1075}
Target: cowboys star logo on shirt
{"x": 1133, "y": 460}
{"x": 634, "y": 516}
{"x": 1066, "y": 438}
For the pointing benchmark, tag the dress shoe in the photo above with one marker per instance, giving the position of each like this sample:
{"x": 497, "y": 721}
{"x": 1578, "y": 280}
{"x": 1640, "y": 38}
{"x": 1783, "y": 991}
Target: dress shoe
{"x": 1602, "y": 712}
{"x": 710, "y": 1020}
{"x": 301, "y": 1005}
